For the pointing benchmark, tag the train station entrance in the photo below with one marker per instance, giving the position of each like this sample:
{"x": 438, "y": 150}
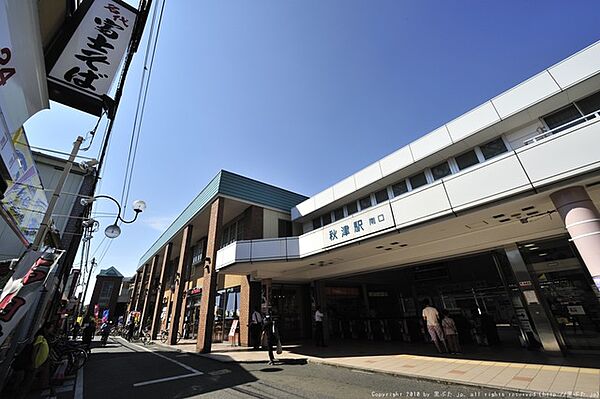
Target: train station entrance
{"x": 489, "y": 299}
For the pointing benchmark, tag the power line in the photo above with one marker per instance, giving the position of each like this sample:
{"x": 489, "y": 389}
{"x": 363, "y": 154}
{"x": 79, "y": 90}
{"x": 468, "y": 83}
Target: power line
{"x": 141, "y": 103}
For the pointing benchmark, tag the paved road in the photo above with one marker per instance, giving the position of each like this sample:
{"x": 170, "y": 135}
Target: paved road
{"x": 124, "y": 370}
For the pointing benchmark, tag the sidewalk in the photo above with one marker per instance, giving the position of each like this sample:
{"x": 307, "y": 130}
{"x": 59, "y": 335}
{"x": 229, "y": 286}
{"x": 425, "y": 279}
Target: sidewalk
{"x": 544, "y": 379}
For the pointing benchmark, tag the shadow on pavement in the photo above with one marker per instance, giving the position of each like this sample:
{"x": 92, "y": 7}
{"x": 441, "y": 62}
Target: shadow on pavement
{"x": 128, "y": 371}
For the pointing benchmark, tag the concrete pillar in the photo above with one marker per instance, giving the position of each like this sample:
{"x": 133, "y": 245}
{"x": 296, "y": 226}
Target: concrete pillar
{"x": 582, "y": 221}
{"x": 209, "y": 283}
{"x": 184, "y": 254}
{"x": 160, "y": 291}
{"x": 133, "y": 299}
{"x": 143, "y": 289}
{"x": 531, "y": 298}
{"x": 151, "y": 288}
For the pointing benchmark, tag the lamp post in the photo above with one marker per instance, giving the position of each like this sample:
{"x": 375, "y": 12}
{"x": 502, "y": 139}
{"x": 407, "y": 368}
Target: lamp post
{"x": 113, "y": 231}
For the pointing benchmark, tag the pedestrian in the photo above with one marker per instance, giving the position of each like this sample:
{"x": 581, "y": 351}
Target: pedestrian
{"x": 75, "y": 330}
{"x": 34, "y": 362}
{"x": 319, "y": 337}
{"x": 451, "y": 332}
{"x": 88, "y": 334}
{"x": 256, "y": 326}
{"x": 104, "y": 332}
{"x": 269, "y": 334}
{"x": 130, "y": 330}
{"x": 432, "y": 320}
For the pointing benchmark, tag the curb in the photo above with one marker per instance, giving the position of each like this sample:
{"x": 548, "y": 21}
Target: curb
{"x": 316, "y": 360}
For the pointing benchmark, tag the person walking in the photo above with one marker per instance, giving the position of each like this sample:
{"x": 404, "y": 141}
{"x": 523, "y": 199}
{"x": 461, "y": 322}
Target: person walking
{"x": 88, "y": 334}
{"x": 34, "y": 361}
{"x": 256, "y": 326}
{"x": 451, "y": 332}
{"x": 130, "y": 330}
{"x": 269, "y": 333}
{"x": 432, "y": 320}
{"x": 75, "y": 330}
{"x": 319, "y": 337}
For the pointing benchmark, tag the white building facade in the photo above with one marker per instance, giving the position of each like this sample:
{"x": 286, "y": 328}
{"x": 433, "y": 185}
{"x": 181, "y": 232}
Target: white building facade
{"x": 493, "y": 216}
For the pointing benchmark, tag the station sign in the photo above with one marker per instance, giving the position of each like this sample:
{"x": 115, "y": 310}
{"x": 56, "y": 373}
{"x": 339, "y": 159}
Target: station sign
{"x": 359, "y": 225}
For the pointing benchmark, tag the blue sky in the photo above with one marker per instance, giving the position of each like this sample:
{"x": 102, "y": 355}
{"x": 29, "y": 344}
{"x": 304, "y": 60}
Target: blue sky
{"x": 301, "y": 94}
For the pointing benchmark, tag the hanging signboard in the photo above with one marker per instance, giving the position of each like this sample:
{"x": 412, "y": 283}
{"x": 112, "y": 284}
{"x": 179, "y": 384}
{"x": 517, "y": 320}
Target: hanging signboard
{"x": 84, "y": 63}
{"x": 25, "y": 201}
{"x": 23, "y": 88}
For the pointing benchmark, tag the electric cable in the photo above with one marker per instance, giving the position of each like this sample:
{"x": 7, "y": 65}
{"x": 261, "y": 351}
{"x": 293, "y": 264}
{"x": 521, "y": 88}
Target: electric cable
{"x": 141, "y": 105}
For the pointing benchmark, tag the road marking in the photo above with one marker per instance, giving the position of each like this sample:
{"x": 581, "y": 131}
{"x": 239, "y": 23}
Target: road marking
{"x": 177, "y": 377}
{"x": 194, "y": 372}
{"x": 79, "y": 385}
{"x": 185, "y": 366}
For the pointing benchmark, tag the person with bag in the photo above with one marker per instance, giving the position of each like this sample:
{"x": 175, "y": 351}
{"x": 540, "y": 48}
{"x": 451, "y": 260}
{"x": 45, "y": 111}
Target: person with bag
{"x": 269, "y": 336}
{"x": 36, "y": 363}
{"x": 256, "y": 324}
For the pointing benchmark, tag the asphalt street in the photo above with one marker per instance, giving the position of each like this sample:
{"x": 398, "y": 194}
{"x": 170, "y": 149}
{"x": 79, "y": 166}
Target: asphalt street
{"x": 126, "y": 370}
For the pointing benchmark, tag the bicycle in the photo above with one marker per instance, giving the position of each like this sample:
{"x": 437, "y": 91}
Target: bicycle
{"x": 164, "y": 336}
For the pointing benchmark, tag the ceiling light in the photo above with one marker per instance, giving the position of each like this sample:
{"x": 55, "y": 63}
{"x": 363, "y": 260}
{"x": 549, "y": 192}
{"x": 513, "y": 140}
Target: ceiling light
{"x": 533, "y": 248}
{"x": 543, "y": 254}
{"x": 528, "y": 245}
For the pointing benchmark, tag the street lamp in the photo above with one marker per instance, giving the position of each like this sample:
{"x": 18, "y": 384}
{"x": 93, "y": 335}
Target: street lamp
{"x": 113, "y": 231}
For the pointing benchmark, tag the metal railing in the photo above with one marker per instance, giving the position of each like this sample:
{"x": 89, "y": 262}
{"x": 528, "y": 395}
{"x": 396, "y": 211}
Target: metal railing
{"x": 562, "y": 127}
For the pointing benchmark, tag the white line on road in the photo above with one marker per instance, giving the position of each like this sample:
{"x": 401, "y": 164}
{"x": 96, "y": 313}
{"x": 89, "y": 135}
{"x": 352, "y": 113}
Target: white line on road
{"x": 79, "y": 384}
{"x": 185, "y": 366}
{"x": 177, "y": 377}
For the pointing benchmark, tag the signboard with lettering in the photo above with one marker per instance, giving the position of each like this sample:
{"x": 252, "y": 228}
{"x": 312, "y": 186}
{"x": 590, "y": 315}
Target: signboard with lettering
{"x": 84, "y": 70}
{"x": 359, "y": 225}
{"x": 24, "y": 201}
{"x": 233, "y": 328}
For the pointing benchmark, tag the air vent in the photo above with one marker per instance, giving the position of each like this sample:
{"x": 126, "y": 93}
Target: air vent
{"x": 527, "y": 208}
{"x": 501, "y": 215}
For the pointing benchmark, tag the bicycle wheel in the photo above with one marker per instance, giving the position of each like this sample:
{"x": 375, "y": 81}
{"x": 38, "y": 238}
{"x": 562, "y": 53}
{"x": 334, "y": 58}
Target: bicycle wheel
{"x": 179, "y": 336}
{"x": 163, "y": 337}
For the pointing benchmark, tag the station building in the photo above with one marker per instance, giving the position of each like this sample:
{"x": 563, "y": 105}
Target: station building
{"x": 493, "y": 216}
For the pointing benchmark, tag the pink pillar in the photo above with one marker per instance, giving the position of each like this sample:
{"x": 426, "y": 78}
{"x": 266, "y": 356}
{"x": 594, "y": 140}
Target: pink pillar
{"x": 582, "y": 221}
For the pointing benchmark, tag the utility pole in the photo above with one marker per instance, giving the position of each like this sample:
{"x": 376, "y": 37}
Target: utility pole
{"x": 92, "y": 266}
{"x": 41, "y": 234}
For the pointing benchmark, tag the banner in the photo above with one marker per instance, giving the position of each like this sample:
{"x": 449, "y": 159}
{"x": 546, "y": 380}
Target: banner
{"x": 83, "y": 70}
{"x": 24, "y": 288}
{"x": 25, "y": 200}
{"x": 23, "y": 87}
{"x": 104, "y": 315}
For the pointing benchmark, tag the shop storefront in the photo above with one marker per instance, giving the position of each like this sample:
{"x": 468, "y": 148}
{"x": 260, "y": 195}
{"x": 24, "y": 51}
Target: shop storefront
{"x": 192, "y": 313}
{"x": 227, "y": 309}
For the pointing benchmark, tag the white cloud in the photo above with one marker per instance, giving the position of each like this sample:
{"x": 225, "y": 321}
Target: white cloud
{"x": 159, "y": 223}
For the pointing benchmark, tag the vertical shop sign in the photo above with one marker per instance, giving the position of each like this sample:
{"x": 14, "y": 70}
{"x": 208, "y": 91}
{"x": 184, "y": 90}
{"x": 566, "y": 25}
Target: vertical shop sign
{"x": 83, "y": 71}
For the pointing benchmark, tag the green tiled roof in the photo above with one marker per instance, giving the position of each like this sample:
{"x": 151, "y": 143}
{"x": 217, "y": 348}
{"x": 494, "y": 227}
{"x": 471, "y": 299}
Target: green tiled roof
{"x": 234, "y": 186}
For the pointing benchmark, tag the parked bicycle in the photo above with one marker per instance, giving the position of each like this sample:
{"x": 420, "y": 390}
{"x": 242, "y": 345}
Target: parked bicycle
{"x": 164, "y": 336}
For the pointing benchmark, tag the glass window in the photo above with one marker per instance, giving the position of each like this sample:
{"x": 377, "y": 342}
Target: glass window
{"x": 441, "y": 170}
{"x": 418, "y": 180}
{"x": 400, "y": 188}
{"x": 381, "y": 196}
{"x": 467, "y": 159}
{"x": 326, "y": 219}
{"x": 317, "y": 223}
{"x": 338, "y": 213}
{"x": 493, "y": 148}
{"x": 589, "y": 104}
{"x": 232, "y": 307}
{"x": 284, "y": 228}
{"x": 351, "y": 208}
{"x": 562, "y": 118}
{"x": 365, "y": 202}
